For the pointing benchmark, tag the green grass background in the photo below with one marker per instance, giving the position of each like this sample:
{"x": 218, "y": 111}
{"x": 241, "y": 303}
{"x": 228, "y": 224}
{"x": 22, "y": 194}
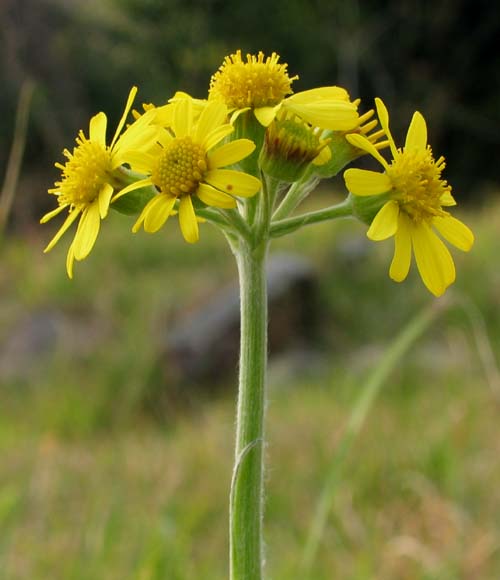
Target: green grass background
{"x": 103, "y": 477}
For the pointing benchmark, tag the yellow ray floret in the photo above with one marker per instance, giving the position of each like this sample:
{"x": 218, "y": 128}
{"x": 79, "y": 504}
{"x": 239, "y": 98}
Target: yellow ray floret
{"x": 414, "y": 212}
{"x": 187, "y": 163}
{"x": 262, "y": 85}
{"x": 87, "y": 184}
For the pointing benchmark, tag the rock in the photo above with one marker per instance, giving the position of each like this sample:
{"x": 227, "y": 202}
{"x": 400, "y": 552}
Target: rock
{"x": 33, "y": 338}
{"x": 203, "y": 346}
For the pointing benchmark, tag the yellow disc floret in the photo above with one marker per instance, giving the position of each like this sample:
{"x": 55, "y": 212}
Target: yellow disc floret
{"x": 417, "y": 183}
{"x": 256, "y": 82}
{"x": 84, "y": 173}
{"x": 180, "y": 167}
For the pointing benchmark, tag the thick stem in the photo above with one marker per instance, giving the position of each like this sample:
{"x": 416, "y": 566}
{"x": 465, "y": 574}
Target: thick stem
{"x": 246, "y": 504}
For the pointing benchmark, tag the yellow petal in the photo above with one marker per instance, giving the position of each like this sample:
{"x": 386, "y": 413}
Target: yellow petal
{"x": 214, "y": 197}
{"x": 183, "y": 118}
{"x": 142, "y": 215}
{"x": 164, "y": 115}
{"x": 132, "y": 186}
{"x": 235, "y": 114}
{"x": 319, "y": 94}
{"x": 266, "y": 115}
{"x": 434, "y": 261}
{"x": 48, "y": 216}
{"x": 333, "y": 115}
{"x": 136, "y": 141}
{"x": 383, "y": 116}
{"x": 233, "y": 182}
{"x": 216, "y": 136}
{"x": 230, "y": 153}
{"x": 97, "y": 130}
{"x": 139, "y": 161}
{"x": 322, "y": 157}
{"x": 87, "y": 231}
{"x": 180, "y": 95}
{"x": 385, "y": 223}
{"x": 158, "y": 212}
{"x": 365, "y": 182}
{"x": 213, "y": 115}
{"x": 164, "y": 138}
{"x": 416, "y": 138}
{"x": 69, "y": 220}
{"x": 361, "y": 142}
{"x": 455, "y": 232}
{"x": 70, "y": 259}
{"x": 130, "y": 100}
{"x": 447, "y": 200}
{"x": 188, "y": 221}
{"x": 104, "y": 199}
{"x": 401, "y": 261}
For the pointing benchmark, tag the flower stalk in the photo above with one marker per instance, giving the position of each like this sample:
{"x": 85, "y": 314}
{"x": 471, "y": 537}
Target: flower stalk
{"x": 246, "y": 505}
{"x": 243, "y": 160}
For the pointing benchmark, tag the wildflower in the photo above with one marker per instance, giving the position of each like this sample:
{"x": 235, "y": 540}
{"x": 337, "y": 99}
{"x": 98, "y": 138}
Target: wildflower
{"x": 262, "y": 85}
{"x": 414, "y": 197}
{"x": 88, "y": 183}
{"x": 186, "y": 164}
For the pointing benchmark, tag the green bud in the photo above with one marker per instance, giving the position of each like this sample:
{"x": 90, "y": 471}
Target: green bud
{"x": 290, "y": 146}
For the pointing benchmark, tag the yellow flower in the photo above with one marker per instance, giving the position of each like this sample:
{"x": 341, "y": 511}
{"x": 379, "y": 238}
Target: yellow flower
{"x": 87, "y": 183}
{"x": 414, "y": 210}
{"x": 262, "y": 85}
{"x": 187, "y": 164}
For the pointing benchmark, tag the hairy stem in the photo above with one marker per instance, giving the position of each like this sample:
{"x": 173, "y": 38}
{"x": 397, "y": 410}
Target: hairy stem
{"x": 246, "y": 509}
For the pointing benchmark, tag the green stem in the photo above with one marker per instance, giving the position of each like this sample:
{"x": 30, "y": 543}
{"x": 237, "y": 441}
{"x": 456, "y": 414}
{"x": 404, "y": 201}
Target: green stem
{"x": 296, "y": 195}
{"x": 286, "y": 226}
{"x": 237, "y": 222}
{"x": 246, "y": 505}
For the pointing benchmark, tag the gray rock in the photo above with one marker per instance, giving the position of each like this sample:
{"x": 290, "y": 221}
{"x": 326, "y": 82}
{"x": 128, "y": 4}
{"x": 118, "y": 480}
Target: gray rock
{"x": 203, "y": 346}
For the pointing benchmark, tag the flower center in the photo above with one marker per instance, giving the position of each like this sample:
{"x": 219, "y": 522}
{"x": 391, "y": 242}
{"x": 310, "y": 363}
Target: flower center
{"x": 417, "y": 182}
{"x": 84, "y": 173}
{"x": 258, "y": 82}
{"x": 180, "y": 167}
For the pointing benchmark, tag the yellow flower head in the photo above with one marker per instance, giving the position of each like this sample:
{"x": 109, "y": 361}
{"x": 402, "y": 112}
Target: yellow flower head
{"x": 87, "y": 183}
{"x": 186, "y": 163}
{"x": 414, "y": 210}
{"x": 258, "y": 82}
{"x": 262, "y": 84}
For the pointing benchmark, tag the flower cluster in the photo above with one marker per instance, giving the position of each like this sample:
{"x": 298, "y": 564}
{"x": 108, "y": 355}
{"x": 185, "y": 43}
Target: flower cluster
{"x": 247, "y": 155}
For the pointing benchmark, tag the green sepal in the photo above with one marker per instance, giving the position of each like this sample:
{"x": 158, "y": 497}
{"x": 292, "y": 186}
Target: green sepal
{"x": 246, "y": 126}
{"x": 343, "y": 153}
{"x": 366, "y": 207}
{"x": 134, "y": 202}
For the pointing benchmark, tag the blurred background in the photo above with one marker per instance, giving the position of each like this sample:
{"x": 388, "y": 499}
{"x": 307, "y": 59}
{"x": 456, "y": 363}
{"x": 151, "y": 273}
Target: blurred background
{"x": 117, "y": 389}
